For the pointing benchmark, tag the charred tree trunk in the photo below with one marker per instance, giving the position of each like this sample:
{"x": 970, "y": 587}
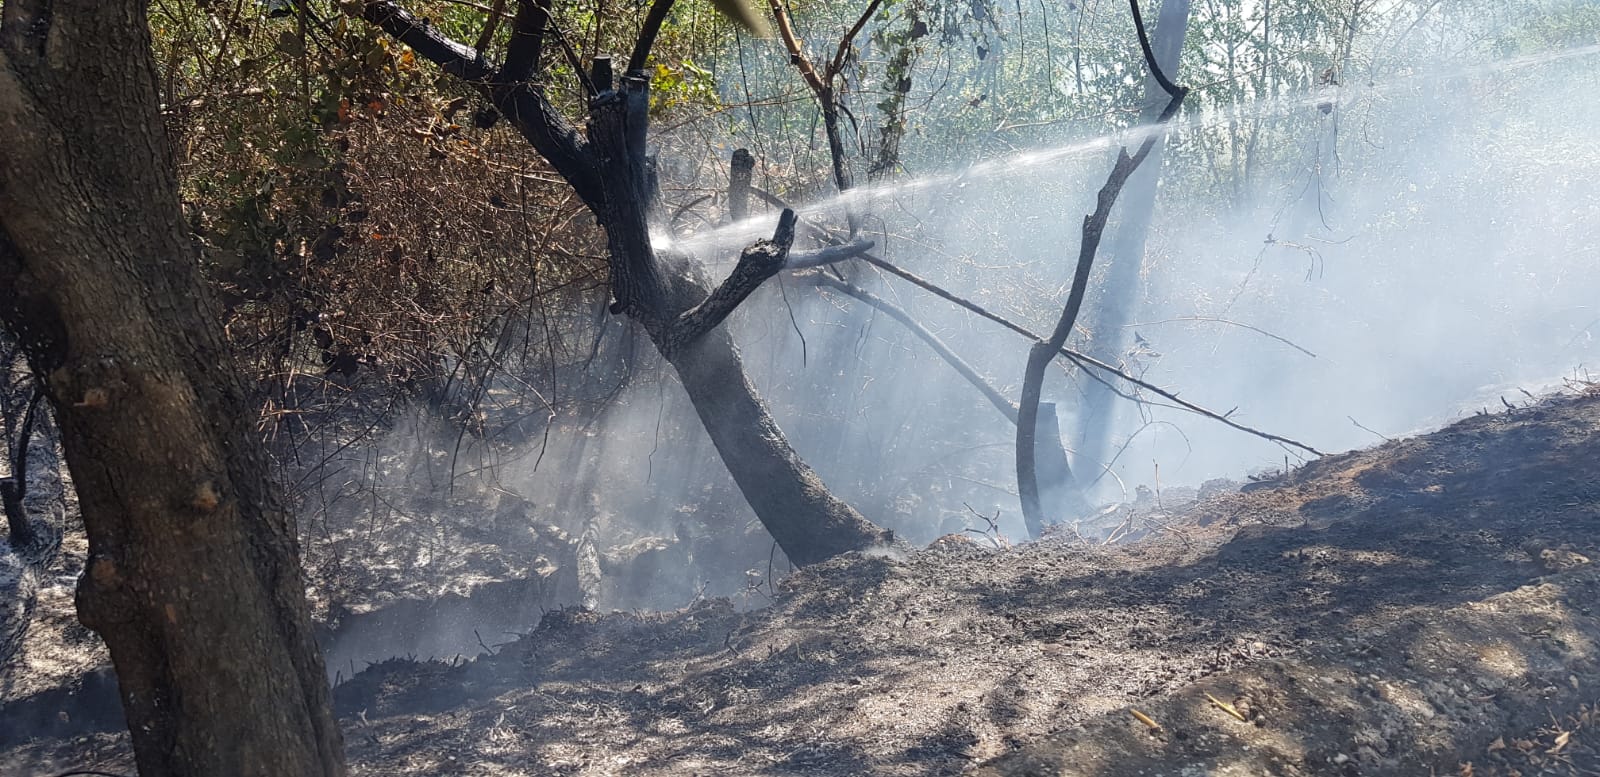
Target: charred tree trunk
{"x": 1029, "y": 409}
{"x": 830, "y": 126}
{"x": 739, "y": 175}
{"x": 772, "y": 477}
{"x": 193, "y": 576}
{"x": 14, "y": 489}
{"x": 1125, "y": 259}
{"x": 683, "y": 315}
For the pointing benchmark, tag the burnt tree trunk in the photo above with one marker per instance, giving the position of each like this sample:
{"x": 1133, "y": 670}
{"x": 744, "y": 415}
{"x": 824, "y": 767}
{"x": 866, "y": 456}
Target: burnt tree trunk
{"x": 193, "y": 576}
{"x": 14, "y": 489}
{"x": 772, "y": 477}
{"x": 610, "y": 169}
{"x": 1030, "y": 409}
{"x": 1125, "y": 254}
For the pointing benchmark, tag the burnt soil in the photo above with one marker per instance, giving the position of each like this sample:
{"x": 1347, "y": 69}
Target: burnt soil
{"x": 1439, "y": 584}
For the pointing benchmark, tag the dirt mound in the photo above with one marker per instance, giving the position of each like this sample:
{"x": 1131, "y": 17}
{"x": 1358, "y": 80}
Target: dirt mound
{"x": 1431, "y": 593}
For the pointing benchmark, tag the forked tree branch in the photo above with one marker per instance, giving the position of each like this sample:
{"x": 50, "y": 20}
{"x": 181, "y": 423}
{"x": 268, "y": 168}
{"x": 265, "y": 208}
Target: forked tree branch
{"x": 756, "y": 264}
{"x": 837, "y": 65}
{"x": 797, "y": 55}
{"x": 1042, "y": 353}
{"x": 534, "y": 117}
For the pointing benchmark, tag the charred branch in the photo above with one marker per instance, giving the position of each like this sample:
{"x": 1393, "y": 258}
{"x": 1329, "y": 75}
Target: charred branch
{"x": 526, "y": 49}
{"x": 1091, "y": 365}
{"x": 756, "y": 264}
{"x": 839, "y": 57}
{"x": 960, "y": 365}
{"x": 1042, "y": 353}
{"x": 618, "y": 121}
{"x": 647, "y": 36}
{"x": 1172, "y": 89}
{"x": 491, "y": 25}
{"x": 457, "y": 59}
{"x": 534, "y": 117}
{"x": 1125, "y": 252}
{"x": 829, "y": 255}
{"x": 739, "y": 175}
{"x": 602, "y": 75}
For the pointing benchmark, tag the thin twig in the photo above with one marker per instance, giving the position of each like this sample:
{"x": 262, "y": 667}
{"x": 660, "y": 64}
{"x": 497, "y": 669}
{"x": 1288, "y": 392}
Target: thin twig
{"x": 1358, "y": 424}
{"x": 1216, "y": 320}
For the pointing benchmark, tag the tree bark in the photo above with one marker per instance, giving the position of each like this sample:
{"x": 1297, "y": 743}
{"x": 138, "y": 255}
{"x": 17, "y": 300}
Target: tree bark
{"x": 1125, "y": 257}
{"x": 739, "y": 174}
{"x": 193, "y": 576}
{"x": 14, "y": 489}
{"x": 817, "y": 525}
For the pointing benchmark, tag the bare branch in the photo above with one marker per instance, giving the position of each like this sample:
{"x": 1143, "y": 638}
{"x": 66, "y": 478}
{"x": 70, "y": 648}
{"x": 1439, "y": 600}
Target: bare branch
{"x": 535, "y": 118}
{"x": 797, "y": 55}
{"x": 1086, "y": 361}
{"x": 647, "y": 36}
{"x": 739, "y": 174}
{"x": 1366, "y": 428}
{"x": 837, "y": 65}
{"x": 457, "y": 59}
{"x": 756, "y": 264}
{"x": 526, "y": 47}
{"x": 829, "y": 255}
{"x": 895, "y": 312}
{"x": 1218, "y": 320}
{"x": 491, "y": 25}
{"x": 1176, "y": 92}
{"x": 1043, "y": 353}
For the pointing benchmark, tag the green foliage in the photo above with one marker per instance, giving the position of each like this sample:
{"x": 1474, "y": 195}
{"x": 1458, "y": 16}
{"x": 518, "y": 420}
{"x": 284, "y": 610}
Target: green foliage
{"x": 685, "y": 86}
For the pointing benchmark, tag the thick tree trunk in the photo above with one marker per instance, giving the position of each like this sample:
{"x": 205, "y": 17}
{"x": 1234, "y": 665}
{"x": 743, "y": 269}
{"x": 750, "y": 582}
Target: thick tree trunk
{"x": 808, "y": 521}
{"x": 1125, "y": 257}
{"x": 193, "y": 576}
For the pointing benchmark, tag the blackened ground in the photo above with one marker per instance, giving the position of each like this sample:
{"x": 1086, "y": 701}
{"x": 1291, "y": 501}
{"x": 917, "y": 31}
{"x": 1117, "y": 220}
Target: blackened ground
{"x": 938, "y": 662}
